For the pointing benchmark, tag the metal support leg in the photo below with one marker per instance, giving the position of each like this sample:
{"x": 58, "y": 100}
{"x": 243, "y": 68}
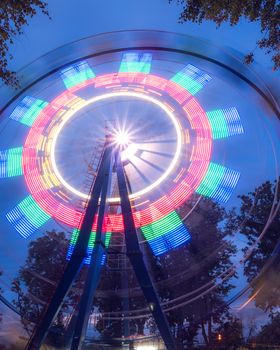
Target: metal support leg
{"x": 94, "y": 270}
{"x": 125, "y": 302}
{"x": 136, "y": 258}
{"x": 79, "y": 253}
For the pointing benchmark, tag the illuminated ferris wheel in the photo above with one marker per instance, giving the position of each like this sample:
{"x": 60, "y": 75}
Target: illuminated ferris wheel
{"x": 167, "y": 158}
{"x": 177, "y": 118}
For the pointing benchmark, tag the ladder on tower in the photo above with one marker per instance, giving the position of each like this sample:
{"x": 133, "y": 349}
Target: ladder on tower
{"x": 91, "y": 174}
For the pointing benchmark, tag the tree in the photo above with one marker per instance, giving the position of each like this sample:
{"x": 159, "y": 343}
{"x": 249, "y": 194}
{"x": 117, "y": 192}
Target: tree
{"x": 210, "y": 250}
{"x": 37, "y": 279}
{"x": 250, "y": 221}
{"x": 190, "y": 268}
{"x": 14, "y": 16}
{"x": 180, "y": 271}
{"x": 270, "y": 332}
{"x": 230, "y": 334}
{"x": 266, "y": 12}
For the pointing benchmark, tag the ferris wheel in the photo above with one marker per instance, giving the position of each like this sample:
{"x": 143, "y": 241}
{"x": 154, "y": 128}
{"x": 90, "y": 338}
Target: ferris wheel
{"x": 169, "y": 149}
{"x": 180, "y": 117}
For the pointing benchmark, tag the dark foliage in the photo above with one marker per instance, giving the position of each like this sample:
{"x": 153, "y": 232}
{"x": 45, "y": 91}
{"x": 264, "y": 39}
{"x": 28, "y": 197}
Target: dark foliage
{"x": 14, "y": 15}
{"x": 208, "y": 255}
{"x": 265, "y": 12}
{"x": 37, "y": 279}
{"x": 185, "y": 270}
{"x": 256, "y": 208}
{"x": 270, "y": 333}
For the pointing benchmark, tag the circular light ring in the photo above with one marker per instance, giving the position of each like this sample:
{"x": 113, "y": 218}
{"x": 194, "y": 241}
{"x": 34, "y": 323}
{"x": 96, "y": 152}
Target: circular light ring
{"x": 104, "y": 97}
{"x": 187, "y": 183}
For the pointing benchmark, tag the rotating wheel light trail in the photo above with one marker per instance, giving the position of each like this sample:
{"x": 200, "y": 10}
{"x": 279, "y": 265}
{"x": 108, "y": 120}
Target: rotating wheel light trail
{"x": 181, "y": 137}
{"x": 43, "y": 178}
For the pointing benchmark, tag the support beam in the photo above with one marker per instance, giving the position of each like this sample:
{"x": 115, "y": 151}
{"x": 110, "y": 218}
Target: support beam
{"x": 93, "y": 274}
{"x": 136, "y": 258}
{"x": 79, "y": 253}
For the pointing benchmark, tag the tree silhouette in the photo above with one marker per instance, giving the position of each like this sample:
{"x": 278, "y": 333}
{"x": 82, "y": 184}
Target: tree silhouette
{"x": 37, "y": 279}
{"x": 251, "y": 221}
{"x": 229, "y": 335}
{"x": 14, "y": 16}
{"x": 270, "y": 332}
{"x": 208, "y": 255}
{"x": 180, "y": 271}
{"x": 266, "y": 12}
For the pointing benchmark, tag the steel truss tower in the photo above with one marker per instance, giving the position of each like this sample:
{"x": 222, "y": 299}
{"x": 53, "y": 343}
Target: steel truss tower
{"x": 98, "y": 204}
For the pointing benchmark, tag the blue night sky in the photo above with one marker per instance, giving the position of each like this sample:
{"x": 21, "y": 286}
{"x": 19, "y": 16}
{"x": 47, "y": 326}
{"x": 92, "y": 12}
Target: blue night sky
{"x": 73, "y": 20}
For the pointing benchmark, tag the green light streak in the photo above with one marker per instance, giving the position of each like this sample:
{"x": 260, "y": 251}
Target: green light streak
{"x": 14, "y": 162}
{"x": 77, "y": 77}
{"x": 187, "y": 83}
{"x": 74, "y": 237}
{"x": 162, "y": 226}
{"x": 211, "y": 180}
{"x": 91, "y": 242}
{"x": 218, "y": 124}
{"x": 33, "y": 111}
{"x": 33, "y": 212}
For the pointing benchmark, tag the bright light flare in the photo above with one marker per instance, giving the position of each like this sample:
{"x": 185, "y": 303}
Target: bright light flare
{"x": 122, "y": 138}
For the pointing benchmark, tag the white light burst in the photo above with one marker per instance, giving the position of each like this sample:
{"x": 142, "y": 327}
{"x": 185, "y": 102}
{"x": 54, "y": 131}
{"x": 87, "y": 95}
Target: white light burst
{"x": 122, "y": 138}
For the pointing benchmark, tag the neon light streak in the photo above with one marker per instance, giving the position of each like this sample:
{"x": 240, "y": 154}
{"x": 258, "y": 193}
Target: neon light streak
{"x": 91, "y": 244}
{"x": 136, "y": 62}
{"x": 166, "y": 233}
{"x": 218, "y": 183}
{"x": 28, "y": 110}
{"x": 227, "y": 185}
{"x": 233, "y": 121}
{"x": 76, "y": 74}
{"x": 191, "y": 78}
{"x": 225, "y": 122}
{"x": 211, "y": 180}
{"x": 50, "y": 179}
{"x": 196, "y": 74}
{"x": 177, "y": 92}
{"x": 27, "y": 217}
{"x": 162, "y": 226}
{"x": 218, "y": 124}
{"x": 170, "y": 240}
{"x": 11, "y": 162}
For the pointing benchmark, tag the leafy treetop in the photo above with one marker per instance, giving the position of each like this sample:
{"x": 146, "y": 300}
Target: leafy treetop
{"x": 14, "y": 16}
{"x": 266, "y": 12}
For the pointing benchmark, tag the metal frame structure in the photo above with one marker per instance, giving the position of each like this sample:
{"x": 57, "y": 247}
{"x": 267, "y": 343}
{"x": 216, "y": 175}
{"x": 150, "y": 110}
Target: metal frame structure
{"x": 97, "y": 204}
